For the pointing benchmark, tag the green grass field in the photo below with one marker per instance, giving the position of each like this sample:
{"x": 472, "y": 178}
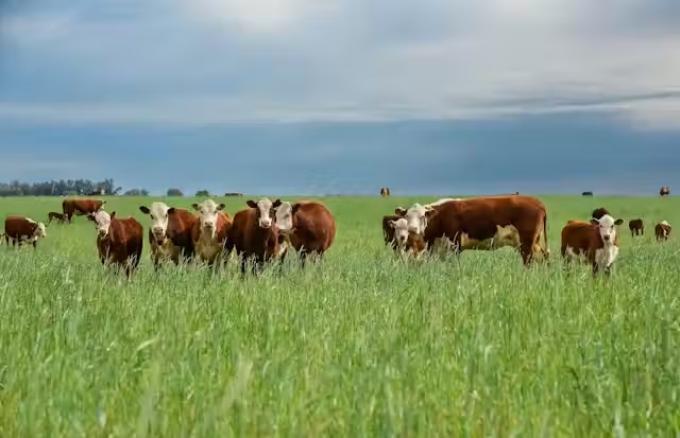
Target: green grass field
{"x": 362, "y": 345}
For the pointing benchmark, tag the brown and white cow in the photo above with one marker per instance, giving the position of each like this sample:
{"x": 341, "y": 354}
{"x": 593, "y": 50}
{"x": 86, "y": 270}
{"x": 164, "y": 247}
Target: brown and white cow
{"x": 55, "y": 216}
{"x": 637, "y": 227}
{"x": 209, "y": 233}
{"x": 80, "y": 207}
{"x": 597, "y": 241}
{"x": 479, "y": 219}
{"x": 384, "y": 192}
{"x": 664, "y": 191}
{"x": 663, "y": 231}
{"x": 170, "y": 234}
{"x": 308, "y": 226}
{"x": 20, "y": 230}
{"x": 254, "y": 234}
{"x": 119, "y": 241}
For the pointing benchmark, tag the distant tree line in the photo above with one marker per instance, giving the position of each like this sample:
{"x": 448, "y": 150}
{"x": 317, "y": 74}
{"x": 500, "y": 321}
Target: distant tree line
{"x": 59, "y": 188}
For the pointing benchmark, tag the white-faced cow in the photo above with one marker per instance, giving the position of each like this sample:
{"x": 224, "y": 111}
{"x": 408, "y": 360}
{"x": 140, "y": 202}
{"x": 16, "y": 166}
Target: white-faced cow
{"x": 597, "y": 241}
{"x": 119, "y": 241}
{"x": 662, "y": 230}
{"x": 170, "y": 233}
{"x": 20, "y": 230}
{"x": 209, "y": 233}
{"x": 307, "y": 226}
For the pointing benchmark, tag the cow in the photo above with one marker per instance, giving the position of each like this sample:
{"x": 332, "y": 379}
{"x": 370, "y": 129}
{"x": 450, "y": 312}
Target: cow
{"x": 663, "y": 231}
{"x": 384, "y": 192}
{"x": 599, "y": 212}
{"x": 170, "y": 234}
{"x": 254, "y": 234}
{"x": 233, "y": 194}
{"x": 53, "y": 215}
{"x": 587, "y": 194}
{"x": 480, "y": 218}
{"x": 20, "y": 229}
{"x": 80, "y": 207}
{"x": 596, "y": 240}
{"x": 209, "y": 233}
{"x": 401, "y": 240}
{"x": 664, "y": 191}
{"x": 119, "y": 241}
{"x": 637, "y": 227}
{"x": 307, "y": 226}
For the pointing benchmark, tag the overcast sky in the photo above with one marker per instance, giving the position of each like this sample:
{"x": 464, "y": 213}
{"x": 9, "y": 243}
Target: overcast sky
{"x": 343, "y": 96}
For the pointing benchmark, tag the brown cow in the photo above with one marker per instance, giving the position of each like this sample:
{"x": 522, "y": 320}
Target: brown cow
{"x": 479, "y": 219}
{"x": 397, "y": 235}
{"x": 384, "y": 192}
{"x": 53, "y": 215}
{"x": 170, "y": 234}
{"x": 80, "y": 207}
{"x": 308, "y": 226}
{"x": 663, "y": 231}
{"x": 20, "y": 229}
{"x": 596, "y": 240}
{"x": 637, "y": 227}
{"x": 119, "y": 241}
{"x": 209, "y": 233}
{"x": 599, "y": 212}
{"x": 254, "y": 233}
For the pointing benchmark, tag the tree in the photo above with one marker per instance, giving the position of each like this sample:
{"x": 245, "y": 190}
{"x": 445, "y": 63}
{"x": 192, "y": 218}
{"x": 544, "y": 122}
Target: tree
{"x": 203, "y": 193}
{"x": 175, "y": 192}
{"x": 136, "y": 192}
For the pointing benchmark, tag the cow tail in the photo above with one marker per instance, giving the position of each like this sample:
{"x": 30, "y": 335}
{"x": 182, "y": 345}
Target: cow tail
{"x": 546, "y": 249}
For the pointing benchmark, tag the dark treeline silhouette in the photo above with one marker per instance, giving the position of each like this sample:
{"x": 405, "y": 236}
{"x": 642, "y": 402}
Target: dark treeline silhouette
{"x": 59, "y": 188}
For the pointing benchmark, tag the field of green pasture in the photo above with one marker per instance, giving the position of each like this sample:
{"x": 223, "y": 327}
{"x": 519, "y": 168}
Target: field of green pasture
{"x": 361, "y": 345}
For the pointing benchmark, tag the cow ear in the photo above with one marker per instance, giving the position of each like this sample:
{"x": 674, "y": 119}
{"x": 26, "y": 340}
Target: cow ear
{"x": 171, "y": 210}
{"x": 113, "y": 214}
{"x": 400, "y": 211}
{"x": 618, "y": 222}
{"x": 144, "y": 209}
{"x": 392, "y": 224}
{"x": 221, "y": 207}
{"x": 430, "y": 211}
{"x": 90, "y": 216}
{"x": 251, "y": 203}
{"x": 195, "y": 206}
{"x": 276, "y": 203}
{"x": 294, "y": 208}
{"x": 594, "y": 221}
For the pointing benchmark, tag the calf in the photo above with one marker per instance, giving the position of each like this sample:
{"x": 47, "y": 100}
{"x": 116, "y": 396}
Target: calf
{"x": 20, "y": 229}
{"x": 254, "y": 233}
{"x": 662, "y": 231}
{"x": 596, "y": 241}
{"x": 209, "y": 233}
{"x": 53, "y": 215}
{"x": 403, "y": 241}
{"x": 637, "y": 227}
{"x": 308, "y": 226}
{"x": 389, "y": 229}
{"x": 119, "y": 241}
{"x": 599, "y": 212}
{"x": 80, "y": 207}
{"x": 170, "y": 234}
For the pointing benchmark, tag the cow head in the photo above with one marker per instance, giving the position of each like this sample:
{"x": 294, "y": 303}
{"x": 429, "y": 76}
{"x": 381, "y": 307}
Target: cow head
{"x": 266, "y": 211}
{"x": 102, "y": 221}
{"x": 400, "y": 227}
{"x": 40, "y": 231}
{"x": 284, "y": 217}
{"x": 417, "y": 217}
{"x": 207, "y": 212}
{"x": 159, "y": 214}
{"x": 607, "y": 228}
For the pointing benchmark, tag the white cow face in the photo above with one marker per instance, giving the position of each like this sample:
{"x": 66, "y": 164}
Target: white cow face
{"x": 400, "y": 227}
{"x": 266, "y": 211}
{"x": 416, "y": 216}
{"x": 207, "y": 212}
{"x": 159, "y": 213}
{"x": 284, "y": 217}
{"x": 607, "y": 228}
{"x": 102, "y": 221}
{"x": 40, "y": 231}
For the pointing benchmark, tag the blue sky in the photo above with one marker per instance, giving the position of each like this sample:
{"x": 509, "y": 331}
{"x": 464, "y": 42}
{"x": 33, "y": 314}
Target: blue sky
{"x": 343, "y": 96}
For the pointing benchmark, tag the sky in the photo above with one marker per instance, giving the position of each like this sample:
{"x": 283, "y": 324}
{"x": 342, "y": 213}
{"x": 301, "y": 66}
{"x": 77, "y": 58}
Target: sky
{"x": 343, "y": 96}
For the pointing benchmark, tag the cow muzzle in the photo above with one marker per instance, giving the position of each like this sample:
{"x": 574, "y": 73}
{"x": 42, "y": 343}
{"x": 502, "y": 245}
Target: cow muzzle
{"x": 266, "y": 224}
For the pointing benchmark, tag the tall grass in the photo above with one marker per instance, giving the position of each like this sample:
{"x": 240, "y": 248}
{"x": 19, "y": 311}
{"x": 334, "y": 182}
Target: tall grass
{"x": 362, "y": 344}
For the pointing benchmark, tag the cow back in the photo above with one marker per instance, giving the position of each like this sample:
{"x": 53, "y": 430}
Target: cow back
{"x": 180, "y": 225}
{"x": 313, "y": 226}
{"x": 17, "y": 226}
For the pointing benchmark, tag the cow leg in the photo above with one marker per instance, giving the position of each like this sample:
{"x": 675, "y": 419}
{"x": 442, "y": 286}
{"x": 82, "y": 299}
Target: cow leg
{"x": 244, "y": 262}
{"x": 303, "y": 258}
{"x": 35, "y": 244}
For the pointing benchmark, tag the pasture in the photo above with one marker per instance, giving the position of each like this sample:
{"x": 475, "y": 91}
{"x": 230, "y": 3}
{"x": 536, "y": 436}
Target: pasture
{"x": 362, "y": 345}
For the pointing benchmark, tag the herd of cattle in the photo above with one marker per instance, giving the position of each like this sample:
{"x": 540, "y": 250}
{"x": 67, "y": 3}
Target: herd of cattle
{"x": 266, "y": 230}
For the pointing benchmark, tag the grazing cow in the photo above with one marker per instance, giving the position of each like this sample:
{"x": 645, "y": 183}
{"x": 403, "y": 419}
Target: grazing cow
{"x": 210, "y": 231}
{"x": 20, "y": 229}
{"x": 254, "y": 233}
{"x": 480, "y": 218}
{"x": 53, "y": 215}
{"x": 80, "y": 207}
{"x": 662, "y": 231}
{"x": 599, "y": 212}
{"x": 587, "y": 194}
{"x": 595, "y": 240}
{"x": 170, "y": 233}
{"x": 119, "y": 241}
{"x": 308, "y": 226}
{"x": 637, "y": 227}
{"x": 665, "y": 191}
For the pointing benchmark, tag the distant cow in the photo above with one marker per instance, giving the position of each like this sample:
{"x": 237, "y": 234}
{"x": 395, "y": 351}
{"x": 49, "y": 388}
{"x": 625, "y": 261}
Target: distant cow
{"x": 53, "y": 215}
{"x": 233, "y": 194}
{"x": 384, "y": 192}
{"x": 637, "y": 227}
{"x": 170, "y": 233}
{"x": 664, "y": 191}
{"x": 597, "y": 241}
{"x": 20, "y": 229}
{"x": 254, "y": 233}
{"x": 662, "y": 231}
{"x": 599, "y": 212}
{"x": 119, "y": 241}
{"x": 209, "y": 233}
{"x": 587, "y": 194}
{"x": 308, "y": 226}
{"x": 80, "y": 207}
